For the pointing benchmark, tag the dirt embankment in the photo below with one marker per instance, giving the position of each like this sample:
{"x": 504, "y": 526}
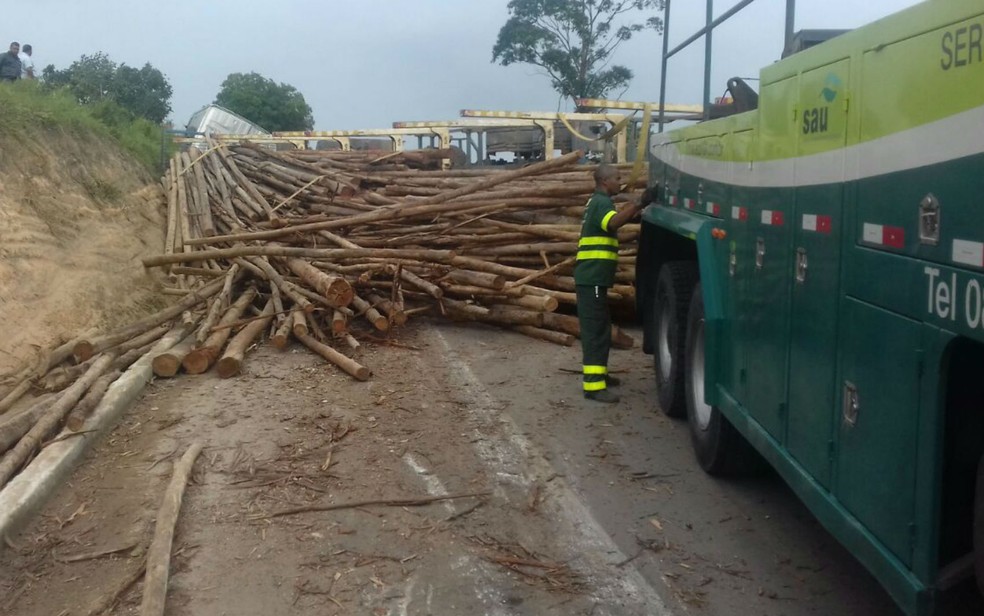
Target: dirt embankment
{"x": 76, "y": 215}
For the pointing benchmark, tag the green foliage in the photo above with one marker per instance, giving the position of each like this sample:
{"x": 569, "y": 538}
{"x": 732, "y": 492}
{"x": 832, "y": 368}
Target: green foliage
{"x": 573, "y": 41}
{"x": 145, "y": 92}
{"x": 26, "y": 107}
{"x": 273, "y": 106}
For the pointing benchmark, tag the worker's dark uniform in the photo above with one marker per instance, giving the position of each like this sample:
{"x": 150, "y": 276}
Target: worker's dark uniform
{"x": 597, "y": 259}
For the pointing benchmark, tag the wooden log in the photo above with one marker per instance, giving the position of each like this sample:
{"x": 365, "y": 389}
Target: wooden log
{"x": 281, "y": 337}
{"x": 350, "y": 341}
{"x": 201, "y": 358}
{"x": 298, "y": 325}
{"x": 620, "y": 339}
{"x": 393, "y": 313}
{"x": 542, "y": 303}
{"x": 15, "y": 425}
{"x": 347, "y": 364}
{"x": 159, "y": 553}
{"x": 546, "y": 334}
{"x": 435, "y": 256}
{"x": 168, "y": 363}
{"x": 245, "y": 185}
{"x": 427, "y": 287}
{"x": 470, "y": 291}
{"x": 371, "y": 314}
{"x": 335, "y": 289}
{"x": 84, "y": 349}
{"x": 270, "y": 273}
{"x": 464, "y": 310}
{"x": 205, "y": 212}
{"x": 511, "y": 315}
{"x": 173, "y": 219}
{"x": 477, "y": 279}
{"x": 230, "y": 364}
{"x": 339, "y": 323}
{"x": 14, "y": 395}
{"x": 218, "y": 304}
{"x": 18, "y": 456}
{"x": 203, "y": 272}
{"x": 90, "y": 401}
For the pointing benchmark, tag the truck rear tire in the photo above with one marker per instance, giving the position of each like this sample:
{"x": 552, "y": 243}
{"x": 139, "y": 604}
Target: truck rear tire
{"x": 720, "y": 449}
{"x": 671, "y": 302}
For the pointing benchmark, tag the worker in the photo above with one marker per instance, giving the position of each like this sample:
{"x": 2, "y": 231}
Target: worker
{"x": 594, "y": 274}
{"x": 10, "y": 64}
{"x": 27, "y": 62}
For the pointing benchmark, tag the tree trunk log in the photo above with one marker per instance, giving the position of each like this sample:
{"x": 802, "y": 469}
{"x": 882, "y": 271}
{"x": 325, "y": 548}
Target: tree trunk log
{"x": 335, "y": 289}
{"x": 201, "y": 359}
{"x": 347, "y": 364}
{"x": 168, "y": 363}
{"x": 231, "y": 361}
{"x": 159, "y": 553}
{"x": 546, "y": 334}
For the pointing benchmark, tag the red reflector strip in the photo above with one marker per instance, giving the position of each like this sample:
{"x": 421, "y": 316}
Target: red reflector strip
{"x": 883, "y": 235}
{"x": 713, "y": 209}
{"x": 968, "y": 253}
{"x": 739, "y": 213}
{"x": 688, "y": 203}
{"x": 817, "y": 223}
{"x": 772, "y": 218}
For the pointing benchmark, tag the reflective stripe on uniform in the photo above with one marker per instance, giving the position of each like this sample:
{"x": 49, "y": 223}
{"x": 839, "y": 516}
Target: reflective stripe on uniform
{"x": 595, "y": 385}
{"x": 598, "y": 240}
{"x": 597, "y": 254}
{"x": 604, "y": 221}
{"x": 595, "y": 369}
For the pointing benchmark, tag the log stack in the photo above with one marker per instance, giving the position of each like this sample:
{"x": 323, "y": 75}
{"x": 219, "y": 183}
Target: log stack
{"x": 340, "y": 243}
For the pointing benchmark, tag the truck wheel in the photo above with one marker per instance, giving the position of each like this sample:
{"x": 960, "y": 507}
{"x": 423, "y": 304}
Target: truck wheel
{"x": 721, "y": 450}
{"x": 670, "y": 304}
{"x": 979, "y": 526}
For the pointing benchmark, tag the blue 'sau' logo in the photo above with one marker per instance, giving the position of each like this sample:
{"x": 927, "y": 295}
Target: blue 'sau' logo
{"x": 831, "y": 86}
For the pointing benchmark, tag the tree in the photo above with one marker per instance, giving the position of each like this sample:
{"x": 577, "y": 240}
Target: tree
{"x": 275, "y": 107}
{"x": 574, "y": 40}
{"x": 144, "y": 92}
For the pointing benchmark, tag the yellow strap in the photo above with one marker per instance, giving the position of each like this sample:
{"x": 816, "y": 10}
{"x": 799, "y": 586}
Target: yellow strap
{"x": 614, "y": 130}
{"x": 595, "y": 385}
{"x": 605, "y": 220}
{"x": 598, "y": 240}
{"x": 640, "y": 161}
{"x": 597, "y": 254}
{"x": 595, "y": 369}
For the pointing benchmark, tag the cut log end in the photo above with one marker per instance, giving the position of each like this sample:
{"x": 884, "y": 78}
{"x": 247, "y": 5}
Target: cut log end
{"x": 198, "y": 361}
{"x": 166, "y": 366}
{"x": 228, "y": 367}
{"x": 83, "y": 351}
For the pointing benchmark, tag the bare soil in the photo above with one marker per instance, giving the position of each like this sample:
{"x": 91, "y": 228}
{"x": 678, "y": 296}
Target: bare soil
{"x": 76, "y": 216}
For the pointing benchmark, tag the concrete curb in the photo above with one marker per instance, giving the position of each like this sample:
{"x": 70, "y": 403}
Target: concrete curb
{"x": 30, "y": 489}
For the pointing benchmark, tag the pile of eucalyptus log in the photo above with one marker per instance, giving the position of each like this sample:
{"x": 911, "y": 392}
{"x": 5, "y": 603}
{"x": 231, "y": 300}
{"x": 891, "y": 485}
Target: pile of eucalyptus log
{"x": 334, "y": 248}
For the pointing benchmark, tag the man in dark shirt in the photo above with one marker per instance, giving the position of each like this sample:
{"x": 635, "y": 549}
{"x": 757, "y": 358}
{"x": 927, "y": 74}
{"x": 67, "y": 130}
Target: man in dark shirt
{"x": 10, "y": 64}
{"x": 597, "y": 260}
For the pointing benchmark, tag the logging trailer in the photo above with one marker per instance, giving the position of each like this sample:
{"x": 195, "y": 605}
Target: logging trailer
{"x": 812, "y": 289}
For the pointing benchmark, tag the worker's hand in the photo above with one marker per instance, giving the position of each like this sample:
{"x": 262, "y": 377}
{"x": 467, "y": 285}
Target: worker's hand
{"x": 650, "y": 195}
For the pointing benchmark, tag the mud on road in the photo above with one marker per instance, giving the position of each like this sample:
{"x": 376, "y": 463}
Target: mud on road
{"x": 566, "y": 507}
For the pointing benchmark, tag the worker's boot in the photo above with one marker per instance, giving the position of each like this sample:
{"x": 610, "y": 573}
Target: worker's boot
{"x": 602, "y": 395}
{"x": 612, "y": 381}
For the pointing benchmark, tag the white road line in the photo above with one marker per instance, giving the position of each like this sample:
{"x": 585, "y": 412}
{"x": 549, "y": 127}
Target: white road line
{"x": 431, "y": 482}
{"x": 616, "y": 588}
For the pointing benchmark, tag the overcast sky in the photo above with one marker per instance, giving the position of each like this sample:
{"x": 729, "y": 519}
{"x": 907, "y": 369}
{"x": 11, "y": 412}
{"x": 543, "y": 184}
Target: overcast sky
{"x": 368, "y": 63}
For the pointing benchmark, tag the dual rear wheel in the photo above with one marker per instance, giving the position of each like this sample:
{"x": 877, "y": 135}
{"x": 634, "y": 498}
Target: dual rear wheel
{"x": 679, "y": 361}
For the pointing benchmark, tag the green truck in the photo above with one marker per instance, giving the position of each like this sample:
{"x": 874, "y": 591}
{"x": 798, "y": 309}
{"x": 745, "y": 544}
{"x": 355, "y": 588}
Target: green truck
{"x": 812, "y": 290}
